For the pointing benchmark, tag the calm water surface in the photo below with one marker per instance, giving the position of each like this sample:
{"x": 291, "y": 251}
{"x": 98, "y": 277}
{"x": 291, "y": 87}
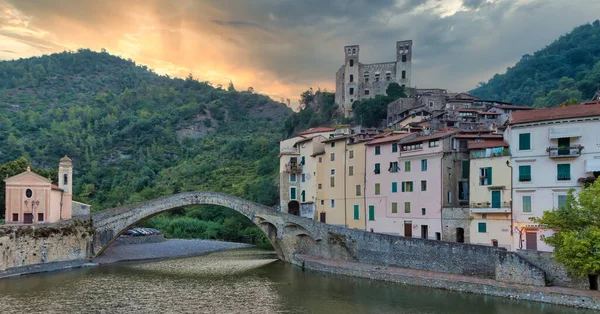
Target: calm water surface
{"x": 238, "y": 281}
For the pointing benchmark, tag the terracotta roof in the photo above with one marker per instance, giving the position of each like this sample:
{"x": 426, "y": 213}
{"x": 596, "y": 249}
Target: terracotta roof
{"x": 481, "y": 136}
{"x": 55, "y": 187}
{"x": 517, "y": 107}
{"x": 587, "y": 109}
{"x": 337, "y": 138}
{"x": 486, "y": 112}
{"x": 316, "y": 130}
{"x": 431, "y": 137}
{"x": 487, "y": 144}
{"x": 389, "y": 138}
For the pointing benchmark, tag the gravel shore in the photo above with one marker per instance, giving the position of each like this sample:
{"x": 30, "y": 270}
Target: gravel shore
{"x": 167, "y": 249}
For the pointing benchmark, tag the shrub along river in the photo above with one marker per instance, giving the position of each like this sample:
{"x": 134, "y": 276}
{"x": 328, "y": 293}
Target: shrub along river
{"x": 236, "y": 281}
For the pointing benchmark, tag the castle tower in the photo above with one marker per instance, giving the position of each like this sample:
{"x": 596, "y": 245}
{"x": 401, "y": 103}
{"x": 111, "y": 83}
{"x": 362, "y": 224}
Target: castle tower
{"x": 403, "y": 62}
{"x": 351, "y": 79}
{"x": 65, "y": 182}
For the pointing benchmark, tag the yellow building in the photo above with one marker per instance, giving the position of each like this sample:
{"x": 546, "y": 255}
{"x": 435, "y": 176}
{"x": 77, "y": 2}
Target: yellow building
{"x": 490, "y": 194}
{"x": 355, "y": 184}
{"x": 331, "y": 173}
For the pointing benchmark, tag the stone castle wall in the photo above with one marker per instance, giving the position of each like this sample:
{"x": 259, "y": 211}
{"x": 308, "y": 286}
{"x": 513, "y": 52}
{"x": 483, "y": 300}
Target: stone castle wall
{"x": 23, "y": 245}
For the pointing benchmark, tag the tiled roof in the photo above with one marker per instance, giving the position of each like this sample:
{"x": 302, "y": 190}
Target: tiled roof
{"x": 487, "y": 144}
{"x": 515, "y": 107}
{"x": 485, "y": 112}
{"x": 467, "y": 110}
{"x": 316, "y": 130}
{"x": 587, "y": 109}
{"x": 431, "y": 137}
{"x": 55, "y": 187}
{"x": 389, "y": 138}
{"x": 481, "y": 136}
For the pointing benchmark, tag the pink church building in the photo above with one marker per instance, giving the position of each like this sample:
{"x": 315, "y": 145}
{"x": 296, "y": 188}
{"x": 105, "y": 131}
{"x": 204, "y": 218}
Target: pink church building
{"x": 31, "y": 198}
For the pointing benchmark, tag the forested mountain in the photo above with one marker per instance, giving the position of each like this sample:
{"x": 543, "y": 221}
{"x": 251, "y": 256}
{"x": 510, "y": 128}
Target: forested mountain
{"x": 567, "y": 69}
{"x": 135, "y": 135}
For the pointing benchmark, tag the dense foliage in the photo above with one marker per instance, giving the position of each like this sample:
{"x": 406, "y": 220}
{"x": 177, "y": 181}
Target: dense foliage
{"x": 134, "y": 135}
{"x": 577, "y": 238}
{"x": 316, "y": 109}
{"x": 371, "y": 112}
{"x": 569, "y": 68}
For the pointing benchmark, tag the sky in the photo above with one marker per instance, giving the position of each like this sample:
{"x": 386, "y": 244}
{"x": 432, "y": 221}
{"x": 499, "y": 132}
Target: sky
{"x": 281, "y": 47}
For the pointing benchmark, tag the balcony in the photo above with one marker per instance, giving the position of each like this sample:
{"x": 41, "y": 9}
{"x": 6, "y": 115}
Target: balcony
{"x": 487, "y": 207}
{"x": 564, "y": 152}
{"x": 293, "y": 167}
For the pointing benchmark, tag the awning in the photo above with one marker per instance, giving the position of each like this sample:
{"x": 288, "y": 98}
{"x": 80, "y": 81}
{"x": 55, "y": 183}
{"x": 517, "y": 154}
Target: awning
{"x": 565, "y": 131}
{"x": 592, "y": 165}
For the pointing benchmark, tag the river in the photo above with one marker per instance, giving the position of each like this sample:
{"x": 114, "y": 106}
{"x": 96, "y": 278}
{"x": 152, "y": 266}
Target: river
{"x": 236, "y": 281}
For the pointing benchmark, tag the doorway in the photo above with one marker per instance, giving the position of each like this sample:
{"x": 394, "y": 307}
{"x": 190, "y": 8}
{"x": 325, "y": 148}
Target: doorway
{"x": 408, "y": 229}
{"x": 322, "y": 217}
{"x": 531, "y": 241}
{"x": 460, "y": 235}
{"x": 28, "y": 218}
{"x": 424, "y": 231}
{"x": 564, "y": 144}
{"x": 294, "y": 208}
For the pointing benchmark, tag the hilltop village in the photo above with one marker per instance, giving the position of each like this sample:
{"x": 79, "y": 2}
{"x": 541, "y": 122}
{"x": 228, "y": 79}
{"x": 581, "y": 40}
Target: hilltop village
{"x": 442, "y": 166}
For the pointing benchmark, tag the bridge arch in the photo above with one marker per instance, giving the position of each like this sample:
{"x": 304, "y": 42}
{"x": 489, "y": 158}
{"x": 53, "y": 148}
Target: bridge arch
{"x": 111, "y": 223}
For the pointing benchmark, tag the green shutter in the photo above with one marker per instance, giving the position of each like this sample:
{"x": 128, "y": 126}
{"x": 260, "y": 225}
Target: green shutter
{"x": 406, "y": 166}
{"x": 465, "y": 169}
{"x": 524, "y": 141}
{"x": 394, "y": 187}
{"x": 527, "y": 203}
{"x": 394, "y": 148}
{"x": 482, "y": 227}
{"x": 403, "y": 186}
{"x": 302, "y": 160}
{"x": 293, "y": 193}
{"x": 564, "y": 171}
{"x": 489, "y": 175}
{"x": 394, "y": 208}
{"x": 377, "y": 189}
{"x": 356, "y": 212}
{"x": 407, "y": 207}
{"x": 371, "y": 212}
{"x": 562, "y": 202}
{"x": 496, "y": 199}
{"x": 524, "y": 173}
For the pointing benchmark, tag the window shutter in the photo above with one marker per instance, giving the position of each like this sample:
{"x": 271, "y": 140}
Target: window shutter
{"x": 489, "y": 175}
{"x": 526, "y": 203}
{"x": 377, "y": 189}
{"x": 356, "y": 212}
{"x": 371, "y": 212}
{"x": 564, "y": 171}
{"x": 394, "y": 207}
{"x": 303, "y": 195}
{"x": 403, "y": 186}
{"x": 302, "y": 160}
{"x": 482, "y": 228}
{"x": 293, "y": 193}
{"x": 524, "y": 141}
{"x": 394, "y": 187}
{"x": 465, "y": 169}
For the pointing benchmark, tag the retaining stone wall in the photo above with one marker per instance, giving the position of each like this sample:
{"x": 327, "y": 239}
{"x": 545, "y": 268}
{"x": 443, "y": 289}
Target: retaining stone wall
{"x": 556, "y": 274}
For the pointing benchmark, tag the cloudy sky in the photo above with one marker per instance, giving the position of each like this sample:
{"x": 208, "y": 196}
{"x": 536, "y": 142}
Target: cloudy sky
{"x": 282, "y": 47}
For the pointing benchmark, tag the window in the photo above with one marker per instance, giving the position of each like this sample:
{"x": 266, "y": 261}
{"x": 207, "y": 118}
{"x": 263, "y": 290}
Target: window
{"x": 303, "y": 196}
{"x": 332, "y": 203}
{"x": 351, "y": 62}
{"x": 527, "y": 203}
{"x": 332, "y": 182}
{"x": 351, "y": 78}
{"x": 292, "y": 193}
{"x": 377, "y": 150}
{"x": 303, "y": 177}
{"x": 394, "y": 208}
{"x": 524, "y": 173}
{"x": 393, "y": 166}
{"x": 423, "y": 164}
{"x": 29, "y": 193}
{"x": 351, "y": 170}
{"x": 414, "y": 146}
{"x": 394, "y": 187}
{"x": 407, "y": 186}
{"x": 524, "y": 141}
{"x": 15, "y": 217}
{"x": 320, "y": 159}
{"x": 423, "y": 185}
{"x": 40, "y": 217}
{"x": 332, "y": 172}
{"x": 322, "y": 202}
{"x": 366, "y": 90}
{"x": 351, "y": 154}
{"x": 292, "y": 177}
{"x": 423, "y": 211}
{"x": 406, "y": 207}
{"x": 377, "y": 168}
{"x": 482, "y": 227}
{"x": 320, "y": 186}
{"x": 388, "y": 76}
{"x": 403, "y": 74}
{"x": 376, "y": 77}
{"x": 465, "y": 169}
{"x": 449, "y": 197}
{"x": 562, "y": 201}
{"x": 358, "y": 190}
{"x": 351, "y": 90}
{"x": 485, "y": 176}
{"x": 371, "y": 212}
{"x": 394, "y": 147}
{"x": 377, "y": 189}
{"x": 403, "y": 58}
{"x": 65, "y": 179}
{"x": 407, "y": 166}
{"x": 332, "y": 157}
{"x": 463, "y": 190}
{"x": 434, "y": 143}
{"x": 332, "y": 144}
{"x": 563, "y": 171}
{"x": 302, "y": 160}
{"x": 356, "y": 212}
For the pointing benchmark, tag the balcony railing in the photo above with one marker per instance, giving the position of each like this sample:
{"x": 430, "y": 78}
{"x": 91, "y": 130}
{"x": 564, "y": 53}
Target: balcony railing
{"x": 562, "y": 152}
{"x": 293, "y": 167}
{"x": 487, "y": 207}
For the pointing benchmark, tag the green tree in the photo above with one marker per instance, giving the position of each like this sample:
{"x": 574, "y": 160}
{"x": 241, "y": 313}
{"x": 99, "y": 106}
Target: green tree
{"x": 395, "y": 91}
{"x": 577, "y": 239}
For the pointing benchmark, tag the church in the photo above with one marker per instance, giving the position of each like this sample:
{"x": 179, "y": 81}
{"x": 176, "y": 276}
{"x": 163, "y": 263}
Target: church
{"x": 32, "y": 199}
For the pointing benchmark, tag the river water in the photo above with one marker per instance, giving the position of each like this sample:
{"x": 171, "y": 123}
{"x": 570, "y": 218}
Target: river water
{"x": 237, "y": 281}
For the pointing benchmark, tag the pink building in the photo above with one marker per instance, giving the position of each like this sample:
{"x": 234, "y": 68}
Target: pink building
{"x": 382, "y": 184}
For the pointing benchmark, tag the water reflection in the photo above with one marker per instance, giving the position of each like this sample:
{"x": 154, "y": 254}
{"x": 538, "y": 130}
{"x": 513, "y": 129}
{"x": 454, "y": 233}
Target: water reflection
{"x": 239, "y": 281}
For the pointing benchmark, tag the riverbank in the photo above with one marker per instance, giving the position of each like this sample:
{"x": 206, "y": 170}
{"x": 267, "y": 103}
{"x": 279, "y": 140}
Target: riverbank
{"x": 555, "y": 295}
{"x": 171, "y": 248}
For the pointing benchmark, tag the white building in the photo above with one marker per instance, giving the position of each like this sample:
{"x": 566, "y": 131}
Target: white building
{"x": 551, "y": 149}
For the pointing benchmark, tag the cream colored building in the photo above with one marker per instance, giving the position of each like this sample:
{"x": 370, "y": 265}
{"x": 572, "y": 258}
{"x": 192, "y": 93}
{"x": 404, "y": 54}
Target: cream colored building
{"x": 355, "y": 184}
{"x": 490, "y": 194}
{"x": 331, "y": 192}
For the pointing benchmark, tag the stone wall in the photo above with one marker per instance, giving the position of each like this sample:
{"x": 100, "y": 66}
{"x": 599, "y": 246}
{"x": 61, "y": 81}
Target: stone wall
{"x": 22, "y": 245}
{"x": 453, "y": 218}
{"x": 556, "y": 274}
{"x": 80, "y": 210}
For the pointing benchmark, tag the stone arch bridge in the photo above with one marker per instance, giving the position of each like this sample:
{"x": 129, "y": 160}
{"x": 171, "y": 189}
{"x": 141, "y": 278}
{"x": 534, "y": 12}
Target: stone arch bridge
{"x": 296, "y": 238}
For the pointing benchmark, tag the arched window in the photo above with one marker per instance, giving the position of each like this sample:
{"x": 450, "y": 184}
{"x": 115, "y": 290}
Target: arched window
{"x": 65, "y": 179}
